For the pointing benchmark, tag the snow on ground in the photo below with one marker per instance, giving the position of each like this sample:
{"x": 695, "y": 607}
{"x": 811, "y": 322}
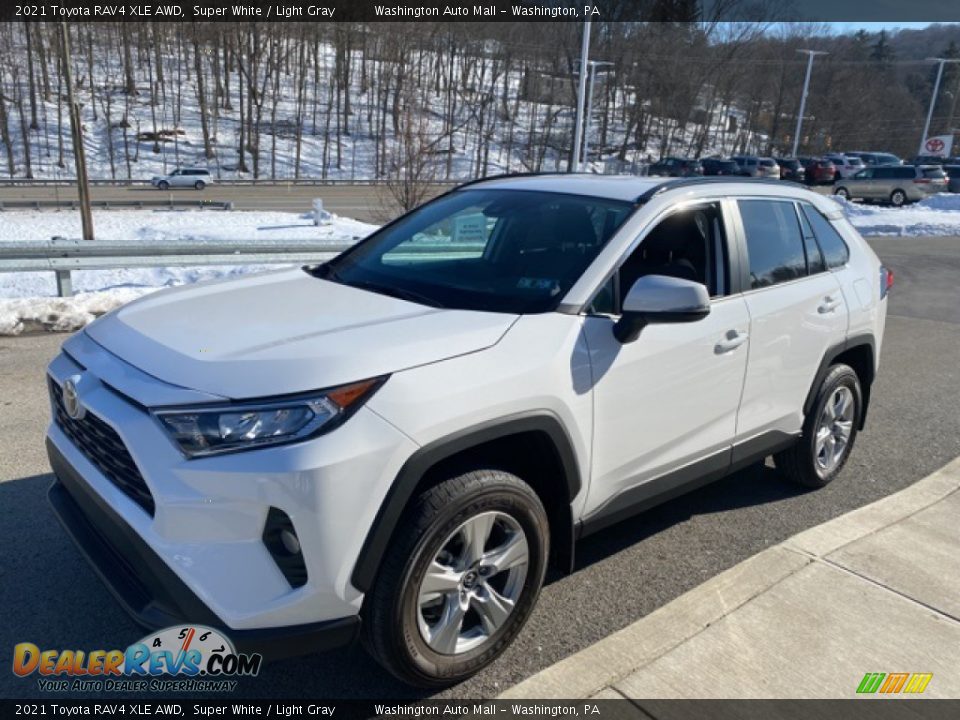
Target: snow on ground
{"x": 28, "y": 300}
{"x": 937, "y": 215}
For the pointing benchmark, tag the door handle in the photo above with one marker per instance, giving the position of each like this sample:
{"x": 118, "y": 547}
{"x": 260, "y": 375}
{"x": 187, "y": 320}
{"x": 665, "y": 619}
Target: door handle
{"x": 731, "y": 341}
{"x": 829, "y": 304}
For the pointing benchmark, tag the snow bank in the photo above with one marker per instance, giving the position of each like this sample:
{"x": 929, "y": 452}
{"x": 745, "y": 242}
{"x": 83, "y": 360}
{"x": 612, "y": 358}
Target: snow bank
{"x": 937, "y": 215}
{"x": 28, "y": 300}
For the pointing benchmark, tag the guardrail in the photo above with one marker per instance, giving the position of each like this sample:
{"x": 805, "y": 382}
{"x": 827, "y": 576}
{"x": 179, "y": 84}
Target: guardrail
{"x": 61, "y": 255}
{"x": 308, "y": 182}
{"x": 73, "y": 204}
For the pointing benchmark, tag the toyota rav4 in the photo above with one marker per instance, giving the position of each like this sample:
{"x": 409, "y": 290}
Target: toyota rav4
{"x": 395, "y": 444}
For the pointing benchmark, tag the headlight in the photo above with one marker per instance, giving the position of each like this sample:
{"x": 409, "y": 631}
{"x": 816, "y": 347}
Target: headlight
{"x": 214, "y": 429}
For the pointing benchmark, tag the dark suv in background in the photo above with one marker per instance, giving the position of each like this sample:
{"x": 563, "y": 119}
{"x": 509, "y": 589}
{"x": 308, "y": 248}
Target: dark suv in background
{"x": 719, "y": 166}
{"x": 791, "y": 169}
{"x": 677, "y": 167}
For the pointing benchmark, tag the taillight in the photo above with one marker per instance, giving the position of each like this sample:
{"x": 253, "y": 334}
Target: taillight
{"x": 922, "y": 181}
{"x": 886, "y": 281}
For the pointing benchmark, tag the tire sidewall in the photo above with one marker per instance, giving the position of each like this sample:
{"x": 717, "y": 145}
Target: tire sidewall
{"x": 840, "y": 375}
{"x": 528, "y": 512}
{"x": 163, "y": 185}
{"x": 199, "y": 185}
{"x": 842, "y": 192}
{"x": 893, "y": 198}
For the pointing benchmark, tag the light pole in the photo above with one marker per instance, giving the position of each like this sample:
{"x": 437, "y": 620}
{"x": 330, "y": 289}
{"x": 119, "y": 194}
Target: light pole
{"x": 803, "y": 96}
{"x": 581, "y": 93}
{"x": 933, "y": 100}
{"x": 586, "y": 133}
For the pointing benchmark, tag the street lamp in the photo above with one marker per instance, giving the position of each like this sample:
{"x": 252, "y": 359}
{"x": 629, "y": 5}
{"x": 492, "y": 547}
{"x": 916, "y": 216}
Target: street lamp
{"x": 803, "y": 97}
{"x": 933, "y": 100}
{"x": 581, "y": 93}
{"x": 586, "y": 133}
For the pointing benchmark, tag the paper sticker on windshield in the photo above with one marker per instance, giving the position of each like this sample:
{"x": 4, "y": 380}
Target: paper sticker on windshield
{"x": 526, "y": 283}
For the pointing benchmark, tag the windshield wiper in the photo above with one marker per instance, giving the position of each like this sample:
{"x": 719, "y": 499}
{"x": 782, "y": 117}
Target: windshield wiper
{"x": 401, "y": 293}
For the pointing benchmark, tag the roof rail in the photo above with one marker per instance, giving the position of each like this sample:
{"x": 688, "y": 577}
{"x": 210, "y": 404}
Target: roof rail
{"x": 504, "y": 176}
{"x": 677, "y": 183}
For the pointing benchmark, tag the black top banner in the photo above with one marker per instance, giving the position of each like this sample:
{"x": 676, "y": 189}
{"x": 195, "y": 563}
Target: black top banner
{"x": 485, "y": 11}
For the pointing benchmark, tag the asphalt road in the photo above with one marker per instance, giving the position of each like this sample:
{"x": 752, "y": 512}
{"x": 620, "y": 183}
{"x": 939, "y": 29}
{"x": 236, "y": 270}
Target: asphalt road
{"x": 49, "y": 596}
{"x": 370, "y": 203}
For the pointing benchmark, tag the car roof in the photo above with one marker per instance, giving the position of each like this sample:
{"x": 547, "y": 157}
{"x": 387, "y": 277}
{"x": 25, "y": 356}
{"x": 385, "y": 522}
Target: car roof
{"x": 634, "y": 188}
{"x": 614, "y": 187}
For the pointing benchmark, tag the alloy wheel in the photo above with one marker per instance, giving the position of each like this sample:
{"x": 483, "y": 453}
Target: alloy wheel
{"x": 834, "y": 430}
{"x": 473, "y": 583}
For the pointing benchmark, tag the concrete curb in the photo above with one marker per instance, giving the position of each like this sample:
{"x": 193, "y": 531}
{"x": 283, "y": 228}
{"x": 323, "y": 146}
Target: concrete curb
{"x": 601, "y": 665}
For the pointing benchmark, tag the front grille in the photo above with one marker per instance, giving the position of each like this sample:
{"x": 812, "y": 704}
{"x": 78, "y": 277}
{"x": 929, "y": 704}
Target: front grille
{"x": 101, "y": 445}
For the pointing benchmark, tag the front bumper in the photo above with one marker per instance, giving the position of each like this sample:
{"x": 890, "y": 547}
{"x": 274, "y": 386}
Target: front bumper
{"x": 149, "y": 591}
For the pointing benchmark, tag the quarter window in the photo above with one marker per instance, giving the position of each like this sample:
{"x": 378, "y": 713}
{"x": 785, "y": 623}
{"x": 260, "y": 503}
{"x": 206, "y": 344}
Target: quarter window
{"x": 774, "y": 242}
{"x": 835, "y": 250}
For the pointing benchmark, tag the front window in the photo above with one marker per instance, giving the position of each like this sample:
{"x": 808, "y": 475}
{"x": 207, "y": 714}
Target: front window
{"x": 515, "y": 251}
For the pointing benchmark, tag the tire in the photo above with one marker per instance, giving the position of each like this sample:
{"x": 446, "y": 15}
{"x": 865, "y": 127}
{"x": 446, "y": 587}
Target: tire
{"x": 898, "y": 198}
{"x": 163, "y": 185}
{"x": 199, "y": 185}
{"x": 397, "y": 621}
{"x": 807, "y": 462}
{"x": 842, "y": 192}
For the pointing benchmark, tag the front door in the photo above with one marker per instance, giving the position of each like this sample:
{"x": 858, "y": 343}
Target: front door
{"x": 665, "y": 405}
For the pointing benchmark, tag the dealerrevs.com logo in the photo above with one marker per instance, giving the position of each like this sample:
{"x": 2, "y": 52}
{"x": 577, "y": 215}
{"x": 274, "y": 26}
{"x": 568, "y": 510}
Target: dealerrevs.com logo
{"x": 190, "y": 658}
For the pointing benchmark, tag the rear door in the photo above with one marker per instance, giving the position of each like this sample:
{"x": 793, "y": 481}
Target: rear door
{"x": 797, "y": 312}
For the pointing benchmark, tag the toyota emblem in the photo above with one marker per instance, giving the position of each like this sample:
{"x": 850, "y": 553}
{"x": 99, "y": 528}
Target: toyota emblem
{"x": 71, "y": 398}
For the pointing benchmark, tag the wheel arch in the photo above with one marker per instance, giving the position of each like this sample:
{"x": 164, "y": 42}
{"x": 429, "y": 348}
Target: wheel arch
{"x": 546, "y": 460}
{"x": 859, "y": 352}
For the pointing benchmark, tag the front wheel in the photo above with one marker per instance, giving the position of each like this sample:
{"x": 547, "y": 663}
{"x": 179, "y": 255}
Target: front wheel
{"x": 163, "y": 185}
{"x": 829, "y": 431}
{"x": 898, "y": 198}
{"x": 460, "y": 579}
{"x": 842, "y": 192}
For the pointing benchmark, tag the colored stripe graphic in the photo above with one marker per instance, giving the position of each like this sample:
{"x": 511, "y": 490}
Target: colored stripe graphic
{"x": 870, "y": 682}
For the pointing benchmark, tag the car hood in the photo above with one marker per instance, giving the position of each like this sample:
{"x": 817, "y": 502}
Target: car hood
{"x": 285, "y": 332}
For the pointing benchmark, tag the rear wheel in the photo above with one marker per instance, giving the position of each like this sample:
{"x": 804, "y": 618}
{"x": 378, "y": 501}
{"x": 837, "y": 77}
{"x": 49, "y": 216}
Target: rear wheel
{"x": 842, "y": 192}
{"x": 199, "y": 184}
{"x": 829, "y": 431}
{"x": 460, "y": 579}
{"x": 898, "y": 198}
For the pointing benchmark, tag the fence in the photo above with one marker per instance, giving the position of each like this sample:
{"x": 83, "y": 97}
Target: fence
{"x": 61, "y": 255}
{"x": 74, "y": 204}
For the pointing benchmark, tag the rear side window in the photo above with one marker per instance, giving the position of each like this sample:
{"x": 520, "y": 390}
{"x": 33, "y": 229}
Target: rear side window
{"x": 934, "y": 173}
{"x": 835, "y": 250}
{"x": 774, "y": 242}
{"x": 904, "y": 172}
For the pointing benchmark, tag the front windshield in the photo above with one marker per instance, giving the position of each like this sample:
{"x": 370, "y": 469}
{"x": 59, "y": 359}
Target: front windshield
{"x": 515, "y": 251}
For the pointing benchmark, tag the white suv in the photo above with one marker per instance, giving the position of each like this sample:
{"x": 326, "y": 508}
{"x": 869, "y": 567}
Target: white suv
{"x": 196, "y": 178}
{"x": 395, "y": 444}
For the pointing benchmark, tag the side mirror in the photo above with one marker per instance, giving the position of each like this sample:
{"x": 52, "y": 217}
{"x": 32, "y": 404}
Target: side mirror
{"x": 660, "y": 299}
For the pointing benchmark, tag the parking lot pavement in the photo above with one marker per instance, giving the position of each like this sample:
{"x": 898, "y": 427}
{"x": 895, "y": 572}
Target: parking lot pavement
{"x": 50, "y": 597}
{"x": 807, "y": 618}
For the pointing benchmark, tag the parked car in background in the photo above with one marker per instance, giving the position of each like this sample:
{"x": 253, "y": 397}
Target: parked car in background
{"x": 846, "y": 165}
{"x": 896, "y": 184}
{"x": 791, "y": 169}
{"x": 953, "y": 178}
{"x": 754, "y": 166}
{"x": 819, "y": 171}
{"x": 934, "y": 160}
{"x": 719, "y": 166}
{"x": 196, "y": 178}
{"x": 676, "y": 167}
{"x": 871, "y": 159}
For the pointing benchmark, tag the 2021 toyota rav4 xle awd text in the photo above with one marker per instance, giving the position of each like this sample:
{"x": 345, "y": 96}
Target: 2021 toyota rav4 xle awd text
{"x": 395, "y": 444}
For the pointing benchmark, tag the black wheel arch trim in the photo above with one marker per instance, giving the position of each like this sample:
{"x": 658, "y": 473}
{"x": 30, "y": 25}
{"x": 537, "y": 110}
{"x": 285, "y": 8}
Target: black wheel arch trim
{"x": 830, "y": 356}
{"x": 417, "y": 465}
